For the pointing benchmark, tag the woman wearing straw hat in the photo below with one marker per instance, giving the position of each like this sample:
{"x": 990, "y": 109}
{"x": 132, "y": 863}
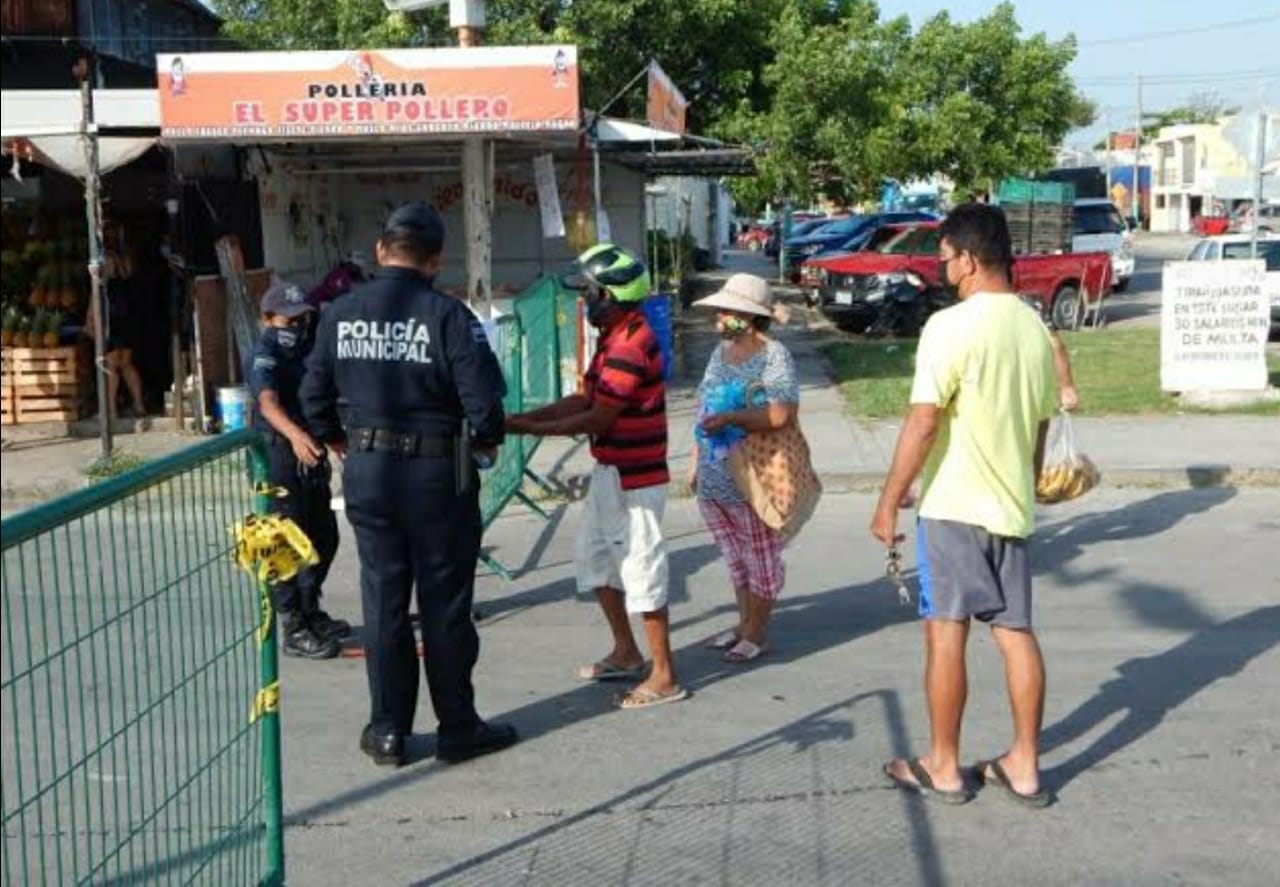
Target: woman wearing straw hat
{"x": 750, "y": 385}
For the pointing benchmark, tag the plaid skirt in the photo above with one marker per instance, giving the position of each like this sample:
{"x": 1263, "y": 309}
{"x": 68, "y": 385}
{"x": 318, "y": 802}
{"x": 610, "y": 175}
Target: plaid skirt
{"x": 752, "y": 550}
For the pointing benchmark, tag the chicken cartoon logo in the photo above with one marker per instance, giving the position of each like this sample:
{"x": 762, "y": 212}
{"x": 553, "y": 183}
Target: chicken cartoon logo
{"x": 362, "y": 64}
{"x": 560, "y": 70}
{"x": 177, "y": 76}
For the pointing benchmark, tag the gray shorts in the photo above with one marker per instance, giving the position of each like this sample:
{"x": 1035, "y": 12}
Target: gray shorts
{"x": 967, "y": 572}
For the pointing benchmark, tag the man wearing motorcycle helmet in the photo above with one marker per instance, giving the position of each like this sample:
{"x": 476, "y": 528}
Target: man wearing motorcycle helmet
{"x": 621, "y": 555}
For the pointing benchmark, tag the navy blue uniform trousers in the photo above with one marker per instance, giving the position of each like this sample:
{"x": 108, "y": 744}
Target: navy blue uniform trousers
{"x": 414, "y": 531}
{"x": 308, "y": 504}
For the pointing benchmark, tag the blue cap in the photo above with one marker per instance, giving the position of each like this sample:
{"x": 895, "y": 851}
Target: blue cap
{"x": 285, "y": 299}
{"x": 418, "y": 222}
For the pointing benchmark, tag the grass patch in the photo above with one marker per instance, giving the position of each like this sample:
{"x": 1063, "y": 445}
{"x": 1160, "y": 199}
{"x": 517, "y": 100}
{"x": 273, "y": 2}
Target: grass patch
{"x": 113, "y": 465}
{"x": 1117, "y": 372}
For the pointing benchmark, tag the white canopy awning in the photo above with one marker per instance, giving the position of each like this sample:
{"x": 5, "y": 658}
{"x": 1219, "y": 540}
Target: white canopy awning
{"x": 49, "y": 112}
{"x": 613, "y": 131}
{"x": 50, "y": 121}
{"x": 67, "y": 152}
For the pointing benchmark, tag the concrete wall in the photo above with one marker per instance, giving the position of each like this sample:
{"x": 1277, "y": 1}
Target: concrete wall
{"x": 700, "y": 202}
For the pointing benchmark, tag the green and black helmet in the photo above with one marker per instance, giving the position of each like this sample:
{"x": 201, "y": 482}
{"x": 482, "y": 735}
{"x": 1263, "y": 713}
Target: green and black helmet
{"x": 614, "y": 270}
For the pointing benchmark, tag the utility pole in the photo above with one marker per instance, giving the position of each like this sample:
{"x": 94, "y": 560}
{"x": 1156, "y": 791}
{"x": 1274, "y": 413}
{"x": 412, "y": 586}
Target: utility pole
{"x": 1261, "y": 160}
{"x": 1135, "y": 195}
{"x": 84, "y": 72}
{"x": 467, "y": 17}
{"x": 1110, "y": 145}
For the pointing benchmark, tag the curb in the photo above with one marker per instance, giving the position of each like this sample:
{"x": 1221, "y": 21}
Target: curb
{"x": 573, "y": 487}
{"x": 16, "y": 497}
{"x": 1190, "y": 477}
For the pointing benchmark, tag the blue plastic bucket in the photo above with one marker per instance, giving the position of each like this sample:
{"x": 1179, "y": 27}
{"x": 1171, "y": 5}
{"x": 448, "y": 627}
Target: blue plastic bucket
{"x": 657, "y": 310}
{"x": 234, "y": 403}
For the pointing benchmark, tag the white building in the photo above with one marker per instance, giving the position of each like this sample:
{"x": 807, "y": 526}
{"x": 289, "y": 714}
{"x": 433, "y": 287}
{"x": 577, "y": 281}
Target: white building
{"x": 1201, "y": 169}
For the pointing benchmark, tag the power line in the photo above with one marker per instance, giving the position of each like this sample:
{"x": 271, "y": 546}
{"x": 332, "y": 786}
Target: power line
{"x": 1182, "y": 32}
{"x": 1191, "y": 78}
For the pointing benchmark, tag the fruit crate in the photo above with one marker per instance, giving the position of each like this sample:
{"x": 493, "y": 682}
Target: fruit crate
{"x": 45, "y": 384}
{"x": 7, "y": 416}
{"x": 1038, "y": 192}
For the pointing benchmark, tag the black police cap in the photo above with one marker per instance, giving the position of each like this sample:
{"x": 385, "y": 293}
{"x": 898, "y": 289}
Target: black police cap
{"x": 418, "y": 222}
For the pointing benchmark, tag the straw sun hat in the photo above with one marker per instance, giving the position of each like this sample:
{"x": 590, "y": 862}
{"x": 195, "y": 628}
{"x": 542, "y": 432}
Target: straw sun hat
{"x": 745, "y": 294}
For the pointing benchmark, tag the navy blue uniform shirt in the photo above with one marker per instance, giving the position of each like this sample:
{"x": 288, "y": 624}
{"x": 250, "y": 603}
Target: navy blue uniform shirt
{"x": 400, "y": 356}
{"x": 273, "y": 367}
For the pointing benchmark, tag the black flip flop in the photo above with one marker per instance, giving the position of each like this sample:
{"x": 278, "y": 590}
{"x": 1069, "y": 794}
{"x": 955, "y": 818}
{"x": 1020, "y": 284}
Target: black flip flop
{"x": 923, "y": 785}
{"x": 1000, "y": 779}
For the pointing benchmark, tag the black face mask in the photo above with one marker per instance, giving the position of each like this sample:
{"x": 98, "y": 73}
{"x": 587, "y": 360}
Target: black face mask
{"x": 291, "y": 341}
{"x": 951, "y": 289}
{"x": 598, "y": 310}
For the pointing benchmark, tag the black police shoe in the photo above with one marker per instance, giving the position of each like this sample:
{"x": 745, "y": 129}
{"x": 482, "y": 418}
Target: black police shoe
{"x": 303, "y": 641}
{"x": 326, "y": 626}
{"x": 482, "y": 740}
{"x": 386, "y": 750}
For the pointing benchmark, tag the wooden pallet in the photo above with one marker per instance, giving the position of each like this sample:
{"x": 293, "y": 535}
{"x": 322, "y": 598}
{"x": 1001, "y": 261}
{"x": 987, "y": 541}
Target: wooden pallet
{"x": 45, "y": 384}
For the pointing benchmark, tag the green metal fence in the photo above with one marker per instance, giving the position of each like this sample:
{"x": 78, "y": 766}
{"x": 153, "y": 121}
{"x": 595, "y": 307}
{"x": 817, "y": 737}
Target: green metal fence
{"x": 505, "y": 480}
{"x": 131, "y": 665}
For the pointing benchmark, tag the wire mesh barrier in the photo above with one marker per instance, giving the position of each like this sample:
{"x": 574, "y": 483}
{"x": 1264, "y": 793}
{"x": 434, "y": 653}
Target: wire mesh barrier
{"x": 546, "y": 312}
{"x": 133, "y": 682}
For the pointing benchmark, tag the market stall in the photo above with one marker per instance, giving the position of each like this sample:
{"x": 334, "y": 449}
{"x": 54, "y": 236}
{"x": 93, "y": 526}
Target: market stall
{"x": 47, "y": 374}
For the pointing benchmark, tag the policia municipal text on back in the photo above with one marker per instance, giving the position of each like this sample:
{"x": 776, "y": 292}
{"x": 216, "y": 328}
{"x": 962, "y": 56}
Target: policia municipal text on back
{"x": 402, "y": 381}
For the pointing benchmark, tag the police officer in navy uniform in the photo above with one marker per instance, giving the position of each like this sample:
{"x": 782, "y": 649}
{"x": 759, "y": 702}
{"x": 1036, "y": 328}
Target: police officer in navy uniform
{"x": 298, "y": 468}
{"x": 402, "y": 382}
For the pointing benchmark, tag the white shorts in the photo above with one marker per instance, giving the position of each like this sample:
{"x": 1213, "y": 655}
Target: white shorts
{"x": 620, "y": 542}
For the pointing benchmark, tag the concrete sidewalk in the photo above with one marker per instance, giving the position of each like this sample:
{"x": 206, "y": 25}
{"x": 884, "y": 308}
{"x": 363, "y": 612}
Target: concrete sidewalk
{"x": 1186, "y": 450}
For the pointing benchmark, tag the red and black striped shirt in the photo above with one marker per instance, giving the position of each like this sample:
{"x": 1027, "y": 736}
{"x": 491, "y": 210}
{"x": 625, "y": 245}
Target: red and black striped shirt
{"x": 627, "y": 371}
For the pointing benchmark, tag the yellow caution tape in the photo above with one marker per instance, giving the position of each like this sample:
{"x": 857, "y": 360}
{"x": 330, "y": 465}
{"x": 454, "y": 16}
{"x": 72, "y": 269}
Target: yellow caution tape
{"x": 266, "y": 489}
{"x": 272, "y": 548}
{"x": 268, "y": 614}
{"x": 267, "y": 702}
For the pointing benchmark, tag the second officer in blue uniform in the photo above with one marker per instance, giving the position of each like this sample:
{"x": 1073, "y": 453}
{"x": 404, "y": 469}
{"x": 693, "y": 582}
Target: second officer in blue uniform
{"x": 401, "y": 378}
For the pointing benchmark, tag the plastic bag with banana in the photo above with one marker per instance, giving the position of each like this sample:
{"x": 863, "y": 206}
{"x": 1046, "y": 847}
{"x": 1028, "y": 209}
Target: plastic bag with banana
{"x": 1067, "y": 473}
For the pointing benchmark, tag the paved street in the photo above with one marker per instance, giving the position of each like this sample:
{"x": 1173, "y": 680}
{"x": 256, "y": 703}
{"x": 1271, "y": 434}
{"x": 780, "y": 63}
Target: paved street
{"x": 1140, "y": 303}
{"x": 1158, "y": 616}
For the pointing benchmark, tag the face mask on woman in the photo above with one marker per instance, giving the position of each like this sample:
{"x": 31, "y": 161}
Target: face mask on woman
{"x": 732, "y": 327}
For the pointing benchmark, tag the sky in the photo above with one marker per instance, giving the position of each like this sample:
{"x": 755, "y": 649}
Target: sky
{"x": 1180, "y": 47}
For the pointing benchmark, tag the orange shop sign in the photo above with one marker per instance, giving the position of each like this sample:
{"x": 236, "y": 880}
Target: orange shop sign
{"x": 289, "y": 95}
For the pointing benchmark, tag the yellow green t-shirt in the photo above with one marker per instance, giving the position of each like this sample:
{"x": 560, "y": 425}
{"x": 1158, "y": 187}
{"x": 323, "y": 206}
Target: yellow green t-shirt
{"x": 987, "y": 363}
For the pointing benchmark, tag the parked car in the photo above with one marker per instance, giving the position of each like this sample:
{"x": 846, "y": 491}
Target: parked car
{"x": 1268, "y": 220}
{"x": 1059, "y": 281}
{"x": 1097, "y": 226}
{"x": 755, "y": 235}
{"x": 813, "y": 268}
{"x": 1231, "y": 247}
{"x": 1215, "y": 223}
{"x": 799, "y": 228}
{"x": 843, "y": 235}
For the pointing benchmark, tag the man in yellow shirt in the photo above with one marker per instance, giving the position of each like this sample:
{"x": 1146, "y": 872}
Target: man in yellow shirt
{"x": 984, "y": 390}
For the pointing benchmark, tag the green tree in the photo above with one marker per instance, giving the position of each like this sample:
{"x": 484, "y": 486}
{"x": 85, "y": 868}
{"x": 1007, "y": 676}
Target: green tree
{"x": 713, "y": 49}
{"x": 982, "y": 102}
{"x": 327, "y": 24}
{"x": 859, "y": 99}
{"x": 834, "y": 97}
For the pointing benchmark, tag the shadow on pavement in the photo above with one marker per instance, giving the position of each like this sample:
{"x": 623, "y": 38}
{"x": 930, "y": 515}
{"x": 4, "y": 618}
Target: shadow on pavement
{"x": 1150, "y": 687}
{"x": 701, "y": 823}
{"x": 1057, "y": 544}
{"x": 802, "y": 626}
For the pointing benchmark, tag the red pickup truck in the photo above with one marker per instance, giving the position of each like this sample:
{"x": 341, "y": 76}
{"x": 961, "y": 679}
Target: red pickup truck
{"x": 842, "y": 283}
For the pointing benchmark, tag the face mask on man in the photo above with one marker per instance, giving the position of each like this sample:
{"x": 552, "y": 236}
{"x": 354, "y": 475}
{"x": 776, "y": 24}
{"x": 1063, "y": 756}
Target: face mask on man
{"x": 951, "y": 289}
{"x": 290, "y": 340}
{"x": 598, "y": 305}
